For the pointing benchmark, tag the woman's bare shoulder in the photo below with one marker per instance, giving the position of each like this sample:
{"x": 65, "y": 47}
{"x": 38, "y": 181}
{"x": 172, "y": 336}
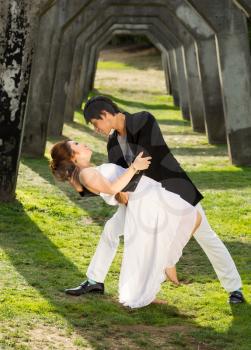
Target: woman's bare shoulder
{"x": 86, "y": 173}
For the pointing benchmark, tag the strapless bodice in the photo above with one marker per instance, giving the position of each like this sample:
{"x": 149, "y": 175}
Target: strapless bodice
{"x": 110, "y": 171}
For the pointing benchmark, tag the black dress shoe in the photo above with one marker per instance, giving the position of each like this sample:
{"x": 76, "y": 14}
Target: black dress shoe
{"x": 236, "y": 297}
{"x": 85, "y": 288}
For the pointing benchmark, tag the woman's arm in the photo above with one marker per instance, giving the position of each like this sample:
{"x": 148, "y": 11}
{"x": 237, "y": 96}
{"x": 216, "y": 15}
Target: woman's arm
{"x": 95, "y": 182}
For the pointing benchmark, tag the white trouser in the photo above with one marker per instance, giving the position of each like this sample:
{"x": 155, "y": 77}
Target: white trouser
{"x": 212, "y": 245}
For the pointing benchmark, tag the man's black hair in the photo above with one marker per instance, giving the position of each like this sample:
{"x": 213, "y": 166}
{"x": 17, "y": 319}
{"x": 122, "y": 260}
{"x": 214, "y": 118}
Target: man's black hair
{"x": 95, "y": 105}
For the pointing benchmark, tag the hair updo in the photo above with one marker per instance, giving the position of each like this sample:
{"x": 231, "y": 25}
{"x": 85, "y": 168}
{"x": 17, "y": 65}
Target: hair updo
{"x": 61, "y": 164}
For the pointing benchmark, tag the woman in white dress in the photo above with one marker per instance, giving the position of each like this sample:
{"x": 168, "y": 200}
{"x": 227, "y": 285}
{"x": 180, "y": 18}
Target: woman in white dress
{"x": 156, "y": 223}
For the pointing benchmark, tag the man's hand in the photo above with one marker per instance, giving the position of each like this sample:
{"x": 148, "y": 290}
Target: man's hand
{"x": 122, "y": 197}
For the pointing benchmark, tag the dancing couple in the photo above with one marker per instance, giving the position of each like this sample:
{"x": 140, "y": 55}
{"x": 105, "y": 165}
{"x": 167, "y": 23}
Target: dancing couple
{"x": 158, "y": 211}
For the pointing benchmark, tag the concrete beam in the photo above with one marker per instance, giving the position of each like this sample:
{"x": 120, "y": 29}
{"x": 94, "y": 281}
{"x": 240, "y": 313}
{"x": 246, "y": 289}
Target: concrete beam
{"x": 194, "y": 85}
{"x": 244, "y": 6}
{"x": 148, "y": 30}
{"x": 86, "y": 49}
{"x": 78, "y": 79}
{"x": 76, "y": 55}
{"x": 191, "y": 71}
{"x": 151, "y": 36}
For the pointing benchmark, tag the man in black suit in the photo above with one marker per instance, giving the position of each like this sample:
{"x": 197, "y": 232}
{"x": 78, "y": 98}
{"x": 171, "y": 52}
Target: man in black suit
{"x": 130, "y": 134}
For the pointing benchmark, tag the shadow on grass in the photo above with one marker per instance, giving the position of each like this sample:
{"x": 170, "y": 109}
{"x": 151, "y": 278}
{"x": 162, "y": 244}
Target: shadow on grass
{"x": 85, "y": 129}
{"x": 136, "y": 104}
{"x": 99, "y": 211}
{"x": 222, "y": 180}
{"x": 194, "y": 266}
{"x": 241, "y": 324}
{"x": 48, "y": 270}
{"x": 207, "y": 151}
{"x": 173, "y": 122}
{"x": 102, "y": 321}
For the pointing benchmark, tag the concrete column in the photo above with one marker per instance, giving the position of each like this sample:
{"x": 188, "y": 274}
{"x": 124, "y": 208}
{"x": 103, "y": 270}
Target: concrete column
{"x": 54, "y": 18}
{"x": 195, "y": 96}
{"x": 93, "y": 73}
{"x": 195, "y": 88}
{"x": 164, "y": 60}
{"x": 84, "y": 18}
{"x": 235, "y": 72}
{"x": 18, "y": 28}
{"x": 43, "y": 71}
{"x": 169, "y": 71}
{"x": 208, "y": 67}
{"x": 174, "y": 78}
{"x": 182, "y": 82}
{"x": 210, "y": 80}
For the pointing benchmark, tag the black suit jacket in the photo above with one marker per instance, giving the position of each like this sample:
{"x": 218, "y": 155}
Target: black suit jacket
{"x": 144, "y": 134}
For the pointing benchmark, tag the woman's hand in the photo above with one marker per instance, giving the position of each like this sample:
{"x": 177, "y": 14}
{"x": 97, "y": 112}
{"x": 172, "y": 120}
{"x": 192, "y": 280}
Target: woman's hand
{"x": 141, "y": 163}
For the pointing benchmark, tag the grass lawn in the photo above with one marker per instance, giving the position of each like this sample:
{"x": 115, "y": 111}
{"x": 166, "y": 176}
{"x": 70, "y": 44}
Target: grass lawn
{"x": 48, "y": 236}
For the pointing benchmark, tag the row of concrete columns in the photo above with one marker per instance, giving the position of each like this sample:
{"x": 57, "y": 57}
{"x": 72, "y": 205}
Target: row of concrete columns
{"x": 205, "y": 54}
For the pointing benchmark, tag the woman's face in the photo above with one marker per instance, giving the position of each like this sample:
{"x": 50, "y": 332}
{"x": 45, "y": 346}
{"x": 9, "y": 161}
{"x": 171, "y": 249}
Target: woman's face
{"x": 81, "y": 152}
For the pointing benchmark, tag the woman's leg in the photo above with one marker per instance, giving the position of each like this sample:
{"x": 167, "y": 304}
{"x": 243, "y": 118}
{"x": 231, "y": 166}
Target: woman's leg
{"x": 197, "y": 223}
{"x": 171, "y": 272}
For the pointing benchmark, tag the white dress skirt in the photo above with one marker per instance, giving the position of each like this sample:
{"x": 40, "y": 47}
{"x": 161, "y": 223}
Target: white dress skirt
{"x": 157, "y": 226}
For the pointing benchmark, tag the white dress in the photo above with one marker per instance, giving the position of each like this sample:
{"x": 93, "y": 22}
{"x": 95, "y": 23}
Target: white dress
{"x": 157, "y": 226}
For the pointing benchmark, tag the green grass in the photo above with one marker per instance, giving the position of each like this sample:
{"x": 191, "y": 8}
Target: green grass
{"x": 49, "y": 234}
{"x": 113, "y": 65}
